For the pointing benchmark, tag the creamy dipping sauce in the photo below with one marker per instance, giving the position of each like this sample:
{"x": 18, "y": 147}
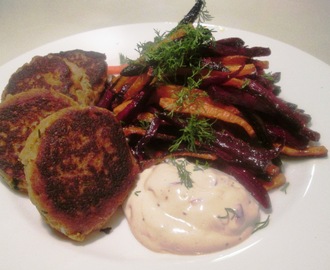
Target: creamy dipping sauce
{"x": 165, "y": 216}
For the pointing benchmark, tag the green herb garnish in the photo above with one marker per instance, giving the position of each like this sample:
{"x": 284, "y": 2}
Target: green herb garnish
{"x": 187, "y": 97}
{"x": 246, "y": 83}
{"x": 230, "y": 214}
{"x": 183, "y": 173}
{"x": 144, "y": 124}
{"x": 201, "y": 166}
{"x": 136, "y": 193}
{"x": 268, "y": 76}
{"x": 196, "y": 130}
{"x": 175, "y": 50}
{"x": 204, "y": 14}
{"x": 262, "y": 224}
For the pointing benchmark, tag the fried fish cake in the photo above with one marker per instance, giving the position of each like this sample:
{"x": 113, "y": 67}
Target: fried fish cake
{"x": 79, "y": 169}
{"x": 42, "y": 72}
{"x": 90, "y": 69}
{"x": 18, "y": 117}
{"x": 79, "y": 74}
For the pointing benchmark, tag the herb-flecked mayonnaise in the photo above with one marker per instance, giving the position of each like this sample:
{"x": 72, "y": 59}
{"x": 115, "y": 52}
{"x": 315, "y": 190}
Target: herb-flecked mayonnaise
{"x": 165, "y": 216}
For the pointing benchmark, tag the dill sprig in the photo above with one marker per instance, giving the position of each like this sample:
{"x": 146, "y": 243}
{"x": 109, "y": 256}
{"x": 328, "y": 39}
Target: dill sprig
{"x": 262, "y": 224}
{"x": 201, "y": 166}
{"x": 144, "y": 124}
{"x": 204, "y": 15}
{"x": 187, "y": 97}
{"x": 183, "y": 173}
{"x": 136, "y": 193}
{"x": 230, "y": 214}
{"x": 196, "y": 130}
{"x": 172, "y": 51}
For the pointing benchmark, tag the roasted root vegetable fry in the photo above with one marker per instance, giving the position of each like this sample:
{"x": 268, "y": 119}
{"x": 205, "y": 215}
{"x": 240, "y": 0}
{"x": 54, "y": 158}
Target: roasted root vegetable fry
{"x": 115, "y": 70}
{"x": 311, "y": 151}
{"x": 189, "y": 95}
{"x": 276, "y": 182}
{"x": 206, "y": 109}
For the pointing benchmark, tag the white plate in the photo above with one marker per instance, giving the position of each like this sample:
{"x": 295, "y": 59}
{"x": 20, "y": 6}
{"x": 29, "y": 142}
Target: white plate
{"x": 298, "y": 236}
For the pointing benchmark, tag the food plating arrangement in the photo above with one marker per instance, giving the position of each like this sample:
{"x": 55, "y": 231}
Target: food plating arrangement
{"x": 189, "y": 139}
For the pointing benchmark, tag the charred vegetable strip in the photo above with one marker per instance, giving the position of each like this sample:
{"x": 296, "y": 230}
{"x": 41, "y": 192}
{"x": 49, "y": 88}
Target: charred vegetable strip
{"x": 237, "y": 151}
{"x": 193, "y": 14}
{"x": 140, "y": 82}
{"x": 203, "y": 108}
{"x": 251, "y": 182}
{"x": 276, "y": 182}
{"x": 292, "y": 117}
{"x": 134, "y": 106}
{"x": 311, "y": 151}
{"x": 150, "y": 133}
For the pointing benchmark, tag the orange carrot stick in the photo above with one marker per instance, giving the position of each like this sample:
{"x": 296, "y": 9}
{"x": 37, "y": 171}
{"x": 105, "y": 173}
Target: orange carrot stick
{"x": 138, "y": 84}
{"x": 276, "y": 182}
{"x": 246, "y": 70}
{"x": 116, "y": 69}
{"x": 206, "y": 109}
{"x": 234, "y": 60}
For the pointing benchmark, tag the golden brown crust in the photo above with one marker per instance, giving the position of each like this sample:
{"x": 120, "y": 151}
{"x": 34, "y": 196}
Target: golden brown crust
{"x": 79, "y": 74}
{"x": 92, "y": 63}
{"x": 18, "y": 117}
{"x": 43, "y": 72}
{"x": 79, "y": 169}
